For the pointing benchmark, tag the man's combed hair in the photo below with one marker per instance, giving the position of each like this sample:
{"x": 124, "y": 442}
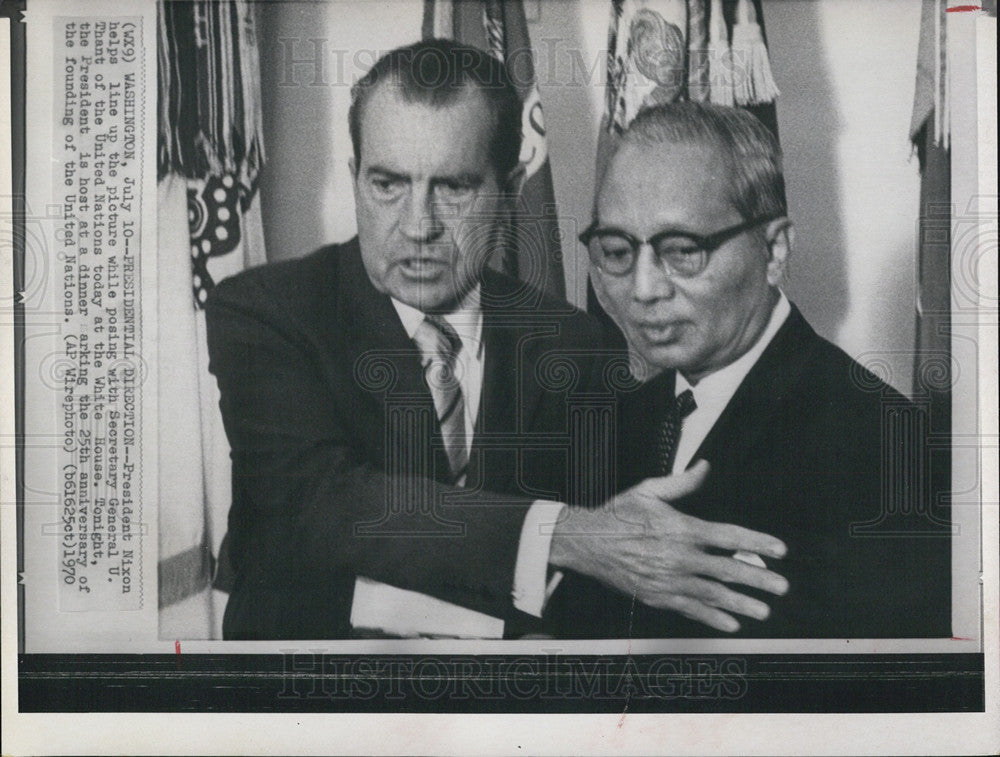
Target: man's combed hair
{"x": 746, "y": 145}
{"x": 438, "y": 73}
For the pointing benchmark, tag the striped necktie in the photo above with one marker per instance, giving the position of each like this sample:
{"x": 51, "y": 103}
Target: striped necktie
{"x": 439, "y": 346}
{"x": 670, "y": 430}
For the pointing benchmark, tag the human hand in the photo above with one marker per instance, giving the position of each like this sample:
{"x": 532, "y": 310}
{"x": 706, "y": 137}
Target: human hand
{"x": 639, "y": 544}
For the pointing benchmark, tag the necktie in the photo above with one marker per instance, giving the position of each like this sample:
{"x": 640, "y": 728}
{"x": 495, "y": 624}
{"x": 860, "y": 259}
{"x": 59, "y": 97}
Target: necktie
{"x": 670, "y": 430}
{"x": 439, "y": 346}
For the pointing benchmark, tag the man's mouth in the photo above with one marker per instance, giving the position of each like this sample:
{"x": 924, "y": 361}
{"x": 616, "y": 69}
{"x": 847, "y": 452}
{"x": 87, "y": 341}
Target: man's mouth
{"x": 659, "y": 331}
{"x": 423, "y": 267}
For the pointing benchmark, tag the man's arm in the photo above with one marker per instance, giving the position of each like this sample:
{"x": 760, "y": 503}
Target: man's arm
{"x": 638, "y": 544}
{"x": 302, "y": 489}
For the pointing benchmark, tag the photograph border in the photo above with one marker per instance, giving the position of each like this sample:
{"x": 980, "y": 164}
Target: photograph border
{"x": 319, "y": 677}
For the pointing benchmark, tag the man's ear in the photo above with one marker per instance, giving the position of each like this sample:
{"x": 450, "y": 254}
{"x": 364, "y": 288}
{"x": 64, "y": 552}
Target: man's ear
{"x": 780, "y": 236}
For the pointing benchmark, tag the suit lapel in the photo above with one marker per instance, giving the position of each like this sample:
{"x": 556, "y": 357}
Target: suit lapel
{"x": 497, "y": 411}
{"x": 757, "y": 402}
{"x": 377, "y": 347}
{"x": 509, "y": 397}
{"x": 642, "y": 409}
{"x": 372, "y": 325}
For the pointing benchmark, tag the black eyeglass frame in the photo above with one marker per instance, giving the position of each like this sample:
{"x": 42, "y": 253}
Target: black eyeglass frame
{"x": 703, "y": 243}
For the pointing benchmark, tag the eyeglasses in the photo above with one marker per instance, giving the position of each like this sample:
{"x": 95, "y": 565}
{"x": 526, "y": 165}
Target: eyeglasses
{"x": 680, "y": 253}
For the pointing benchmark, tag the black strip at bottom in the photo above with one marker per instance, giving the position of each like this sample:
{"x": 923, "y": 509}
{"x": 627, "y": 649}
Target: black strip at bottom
{"x": 310, "y": 681}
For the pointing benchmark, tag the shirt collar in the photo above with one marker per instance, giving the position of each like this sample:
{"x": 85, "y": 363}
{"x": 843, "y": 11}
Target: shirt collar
{"x": 724, "y": 382}
{"x": 466, "y": 319}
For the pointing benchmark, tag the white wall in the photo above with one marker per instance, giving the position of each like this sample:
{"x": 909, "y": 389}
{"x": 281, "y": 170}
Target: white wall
{"x": 846, "y": 71}
{"x": 305, "y": 186}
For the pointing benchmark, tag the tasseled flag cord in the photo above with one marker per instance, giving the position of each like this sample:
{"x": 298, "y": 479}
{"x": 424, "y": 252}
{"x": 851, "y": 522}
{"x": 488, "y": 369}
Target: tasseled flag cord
{"x": 720, "y": 58}
{"x": 753, "y": 82}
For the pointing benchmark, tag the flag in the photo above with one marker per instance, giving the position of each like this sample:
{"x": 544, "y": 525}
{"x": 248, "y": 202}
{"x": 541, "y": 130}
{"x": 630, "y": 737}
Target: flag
{"x": 663, "y": 51}
{"x": 209, "y": 155}
{"x": 534, "y": 250}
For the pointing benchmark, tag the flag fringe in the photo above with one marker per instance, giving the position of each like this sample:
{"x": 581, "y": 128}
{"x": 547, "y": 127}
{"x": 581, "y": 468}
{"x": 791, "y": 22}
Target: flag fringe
{"x": 754, "y": 83}
{"x": 699, "y": 48}
{"x": 720, "y": 59}
{"x": 209, "y": 97}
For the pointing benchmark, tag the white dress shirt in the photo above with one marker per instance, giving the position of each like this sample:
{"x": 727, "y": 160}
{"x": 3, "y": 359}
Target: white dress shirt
{"x": 467, "y": 321}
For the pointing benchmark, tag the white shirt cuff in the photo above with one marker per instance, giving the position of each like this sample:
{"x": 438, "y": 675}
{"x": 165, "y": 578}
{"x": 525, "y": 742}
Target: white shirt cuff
{"x": 532, "y": 585}
{"x": 401, "y": 613}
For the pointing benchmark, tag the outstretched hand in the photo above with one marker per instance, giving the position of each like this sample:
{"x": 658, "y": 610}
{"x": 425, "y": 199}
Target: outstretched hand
{"x": 640, "y": 545}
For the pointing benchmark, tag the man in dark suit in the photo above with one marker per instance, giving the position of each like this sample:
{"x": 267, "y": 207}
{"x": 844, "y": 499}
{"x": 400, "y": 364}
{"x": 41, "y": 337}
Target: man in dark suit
{"x": 401, "y": 419}
{"x": 688, "y": 250}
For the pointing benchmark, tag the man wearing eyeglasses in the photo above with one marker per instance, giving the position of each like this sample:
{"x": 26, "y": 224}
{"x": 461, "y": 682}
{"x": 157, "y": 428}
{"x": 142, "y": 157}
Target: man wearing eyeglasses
{"x": 688, "y": 251}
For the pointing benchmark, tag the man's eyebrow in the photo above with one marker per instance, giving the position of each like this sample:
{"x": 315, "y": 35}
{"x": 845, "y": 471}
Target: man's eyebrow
{"x": 471, "y": 179}
{"x": 386, "y": 173}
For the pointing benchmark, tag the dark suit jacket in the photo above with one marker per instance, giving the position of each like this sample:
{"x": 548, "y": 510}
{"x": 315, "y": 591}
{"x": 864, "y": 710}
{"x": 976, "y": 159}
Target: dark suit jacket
{"x": 817, "y": 451}
{"x": 336, "y": 471}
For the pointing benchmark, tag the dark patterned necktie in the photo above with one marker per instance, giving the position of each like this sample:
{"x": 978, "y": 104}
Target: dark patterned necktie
{"x": 670, "y": 430}
{"x": 439, "y": 346}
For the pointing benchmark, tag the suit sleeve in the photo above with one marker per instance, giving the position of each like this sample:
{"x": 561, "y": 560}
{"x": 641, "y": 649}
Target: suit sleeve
{"x": 307, "y": 506}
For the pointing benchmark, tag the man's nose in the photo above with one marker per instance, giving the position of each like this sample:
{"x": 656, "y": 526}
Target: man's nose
{"x": 651, "y": 280}
{"x": 419, "y": 220}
